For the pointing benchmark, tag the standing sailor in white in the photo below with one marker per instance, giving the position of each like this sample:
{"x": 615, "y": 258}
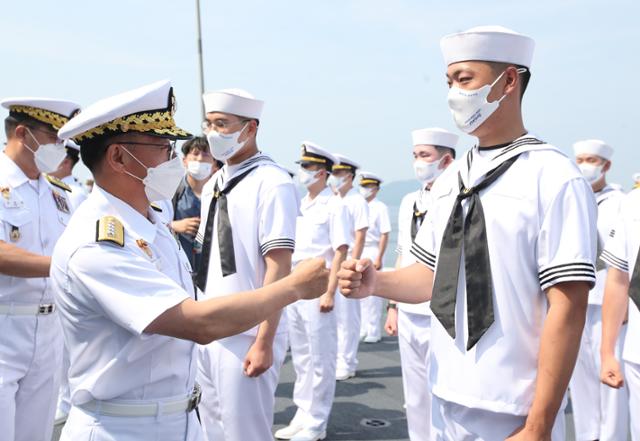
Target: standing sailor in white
{"x": 78, "y": 192}
{"x": 374, "y": 248}
{"x": 348, "y": 310}
{"x": 247, "y": 227}
{"x": 124, "y": 286}
{"x": 322, "y": 230}
{"x": 508, "y": 251}
{"x": 34, "y": 211}
{"x": 622, "y": 301}
{"x": 599, "y": 412}
{"x": 433, "y": 152}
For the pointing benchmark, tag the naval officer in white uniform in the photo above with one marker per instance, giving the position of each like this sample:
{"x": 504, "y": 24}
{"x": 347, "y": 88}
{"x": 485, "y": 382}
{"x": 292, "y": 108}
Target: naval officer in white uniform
{"x": 599, "y": 412}
{"x": 247, "y": 230}
{"x": 621, "y": 302}
{"x": 322, "y": 230}
{"x": 348, "y": 310}
{"x": 506, "y": 256}
{"x": 34, "y": 211}
{"x": 124, "y": 286}
{"x": 433, "y": 152}
{"x": 375, "y": 246}
{"x": 78, "y": 192}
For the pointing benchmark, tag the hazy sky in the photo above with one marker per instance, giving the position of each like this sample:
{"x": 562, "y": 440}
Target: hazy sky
{"x": 355, "y": 76}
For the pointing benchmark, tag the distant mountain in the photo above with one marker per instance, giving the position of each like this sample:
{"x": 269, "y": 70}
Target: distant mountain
{"x": 393, "y": 192}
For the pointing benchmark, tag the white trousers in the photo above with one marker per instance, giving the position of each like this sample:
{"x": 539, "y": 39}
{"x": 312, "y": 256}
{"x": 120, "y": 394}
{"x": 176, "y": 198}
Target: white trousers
{"x": 313, "y": 339}
{"x": 348, "y": 320}
{"x": 453, "y": 422}
{"x": 371, "y": 316}
{"x": 371, "y": 307}
{"x": 414, "y": 334}
{"x": 85, "y": 426}
{"x": 30, "y": 358}
{"x": 599, "y": 412}
{"x": 632, "y": 378}
{"x": 235, "y": 407}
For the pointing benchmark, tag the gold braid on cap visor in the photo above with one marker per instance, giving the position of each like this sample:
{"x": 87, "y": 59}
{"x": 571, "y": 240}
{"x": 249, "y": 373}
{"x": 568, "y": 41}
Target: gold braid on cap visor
{"x": 55, "y": 120}
{"x": 160, "y": 123}
{"x": 369, "y": 181}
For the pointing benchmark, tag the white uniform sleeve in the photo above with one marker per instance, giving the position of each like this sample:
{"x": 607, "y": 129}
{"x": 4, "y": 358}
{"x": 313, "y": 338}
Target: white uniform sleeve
{"x": 615, "y": 249}
{"x": 339, "y": 226}
{"x": 424, "y": 246}
{"x": 128, "y": 289}
{"x": 277, "y": 213}
{"x": 360, "y": 213}
{"x": 566, "y": 243}
{"x": 385, "y": 222}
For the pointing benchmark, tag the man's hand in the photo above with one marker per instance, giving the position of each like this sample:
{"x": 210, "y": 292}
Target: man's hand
{"x": 391, "y": 325}
{"x": 327, "y": 302}
{"x": 188, "y": 225}
{"x": 378, "y": 263}
{"x": 610, "y": 373}
{"x": 258, "y": 360}
{"x": 310, "y": 278}
{"x": 357, "y": 278}
{"x": 525, "y": 433}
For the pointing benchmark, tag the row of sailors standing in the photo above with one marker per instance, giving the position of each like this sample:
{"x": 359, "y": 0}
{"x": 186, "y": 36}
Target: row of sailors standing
{"x": 125, "y": 294}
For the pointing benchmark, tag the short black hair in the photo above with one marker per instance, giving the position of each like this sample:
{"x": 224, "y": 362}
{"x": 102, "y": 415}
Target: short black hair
{"x": 93, "y": 151}
{"x": 498, "y": 68}
{"x": 197, "y": 143}
{"x": 73, "y": 155}
{"x": 14, "y": 120}
{"x": 444, "y": 150}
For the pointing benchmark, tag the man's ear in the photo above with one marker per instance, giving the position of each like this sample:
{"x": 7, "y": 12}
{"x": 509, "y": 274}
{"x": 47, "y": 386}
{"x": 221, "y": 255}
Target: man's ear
{"x": 20, "y": 132}
{"x": 447, "y": 159}
{"x": 114, "y": 158}
{"x": 512, "y": 77}
{"x": 606, "y": 167}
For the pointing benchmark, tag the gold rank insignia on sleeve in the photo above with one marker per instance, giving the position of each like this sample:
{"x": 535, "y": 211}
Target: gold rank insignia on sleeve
{"x": 155, "y": 207}
{"x": 57, "y": 183}
{"x": 110, "y": 229}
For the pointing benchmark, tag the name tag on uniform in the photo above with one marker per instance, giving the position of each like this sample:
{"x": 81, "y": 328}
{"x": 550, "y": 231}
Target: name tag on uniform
{"x": 61, "y": 202}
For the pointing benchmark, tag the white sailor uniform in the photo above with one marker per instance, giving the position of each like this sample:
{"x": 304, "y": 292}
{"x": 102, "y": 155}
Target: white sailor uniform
{"x": 322, "y": 228}
{"x": 540, "y": 219}
{"x": 262, "y": 211}
{"x": 348, "y": 310}
{"x": 622, "y": 251}
{"x": 414, "y": 328}
{"x": 78, "y": 193}
{"x": 599, "y": 411}
{"x": 113, "y": 273}
{"x": 371, "y": 307}
{"x": 33, "y": 215}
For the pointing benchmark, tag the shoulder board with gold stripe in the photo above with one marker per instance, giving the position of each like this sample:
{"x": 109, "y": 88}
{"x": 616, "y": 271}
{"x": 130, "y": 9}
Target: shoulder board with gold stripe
{"x": 155, "y": 207}
{"x": 57, "y": 183}
{"x": 110, "y": 229}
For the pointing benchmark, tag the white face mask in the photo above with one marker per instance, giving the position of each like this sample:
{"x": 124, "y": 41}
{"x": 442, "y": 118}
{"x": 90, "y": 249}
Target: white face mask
{"x": 591, "y": 172}
{"x": 161, "y": 181}
{"x": 199, "y": 170}
{"x": 48, "y": 157}
{"x": 470, "y": 108}
{"x": 224, "y": 146}
{"x": 366, "y": 192}
{"x": 308, "y": 177}
{"x": 427, "y": 172}
{"x": 336, "y": 183}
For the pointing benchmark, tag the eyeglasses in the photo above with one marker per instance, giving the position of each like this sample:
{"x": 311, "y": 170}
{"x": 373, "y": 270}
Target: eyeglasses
{"x": 221, "y": 124}
{"x": 169, "y": 147}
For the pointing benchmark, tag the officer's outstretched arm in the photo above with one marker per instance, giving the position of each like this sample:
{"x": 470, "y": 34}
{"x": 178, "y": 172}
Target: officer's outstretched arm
{"x": 16, "y": 262}
{"x": 358, "y": 279}
{"x": 209, "y": 320}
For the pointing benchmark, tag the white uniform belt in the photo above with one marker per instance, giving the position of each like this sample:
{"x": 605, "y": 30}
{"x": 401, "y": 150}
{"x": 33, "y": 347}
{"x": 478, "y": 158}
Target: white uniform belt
{"x": 119, "y": 409}
{"x": 17, "y": 309}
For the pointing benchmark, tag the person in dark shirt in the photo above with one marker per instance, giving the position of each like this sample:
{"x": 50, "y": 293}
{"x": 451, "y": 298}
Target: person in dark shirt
{"x": 200, "y": 165}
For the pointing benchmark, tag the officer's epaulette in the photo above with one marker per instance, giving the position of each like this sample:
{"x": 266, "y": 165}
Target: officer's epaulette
{"x": 110, "y": 229}
{"x": 155, "y": 207}
{"x": 57, "y": 183}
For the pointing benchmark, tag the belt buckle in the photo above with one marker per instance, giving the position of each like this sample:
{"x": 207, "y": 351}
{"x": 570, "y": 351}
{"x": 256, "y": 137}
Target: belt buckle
{"x": 195, "y": 397}
{"x": 46, "y": 309}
